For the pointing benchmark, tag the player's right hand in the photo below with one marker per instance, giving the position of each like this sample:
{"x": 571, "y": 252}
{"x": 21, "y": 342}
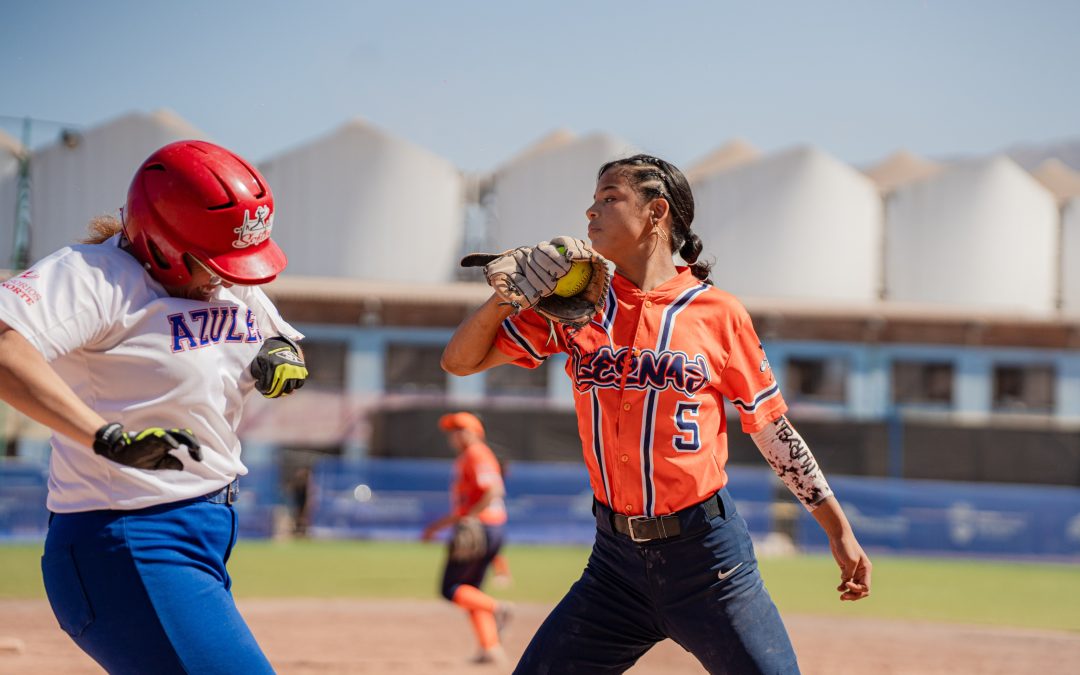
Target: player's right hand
{"x": 278, "y": 369}
{"x": 548, "y": 264}
{"x": 524, "y": 275}
{"x": 146, "y": 449}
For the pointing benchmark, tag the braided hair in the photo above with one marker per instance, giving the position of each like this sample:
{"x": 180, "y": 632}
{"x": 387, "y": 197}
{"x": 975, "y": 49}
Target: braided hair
{"x": 653, "y": 178}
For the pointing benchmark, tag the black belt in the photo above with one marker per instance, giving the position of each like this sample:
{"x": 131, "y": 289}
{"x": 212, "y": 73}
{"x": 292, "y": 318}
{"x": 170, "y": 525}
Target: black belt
{"x": 226, "y": 495}
{"x": 643, "y": 529}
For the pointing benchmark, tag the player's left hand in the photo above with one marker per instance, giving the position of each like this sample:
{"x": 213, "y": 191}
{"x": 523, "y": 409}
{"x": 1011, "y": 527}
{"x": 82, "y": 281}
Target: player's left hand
{"x": 854, "y": 567}
{"x": 147, "y": 449}
{"x": 279, "y": 368}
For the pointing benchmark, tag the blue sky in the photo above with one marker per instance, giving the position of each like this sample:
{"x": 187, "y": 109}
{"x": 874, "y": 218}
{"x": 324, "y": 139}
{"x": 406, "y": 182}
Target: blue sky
{"x": 476, "y": 82}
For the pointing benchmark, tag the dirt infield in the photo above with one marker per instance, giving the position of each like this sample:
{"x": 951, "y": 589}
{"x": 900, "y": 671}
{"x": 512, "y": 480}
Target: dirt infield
{"x": 304, "y": 637}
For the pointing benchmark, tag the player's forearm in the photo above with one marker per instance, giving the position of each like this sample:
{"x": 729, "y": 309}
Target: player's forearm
{"x": 472, "y": 347}
{"x": 831, "y": 518}
{"x": 30, "y": 385}
{"x": 791, "y": 459}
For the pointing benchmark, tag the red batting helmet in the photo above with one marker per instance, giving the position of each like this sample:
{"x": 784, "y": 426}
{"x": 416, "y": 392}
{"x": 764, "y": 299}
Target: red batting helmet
{"x": 199, "y": 198}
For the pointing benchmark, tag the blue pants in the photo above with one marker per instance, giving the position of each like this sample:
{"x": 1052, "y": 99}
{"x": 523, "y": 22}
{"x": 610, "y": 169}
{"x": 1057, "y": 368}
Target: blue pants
{"x": 146, "y": 591}
{"x": 471, "y": 572}
{"x": 633, "y": 595}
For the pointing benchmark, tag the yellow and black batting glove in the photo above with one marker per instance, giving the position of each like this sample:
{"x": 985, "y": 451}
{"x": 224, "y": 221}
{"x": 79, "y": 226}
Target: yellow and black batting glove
{"x": 147, "y": 449}
{"x": 279, "y": 368}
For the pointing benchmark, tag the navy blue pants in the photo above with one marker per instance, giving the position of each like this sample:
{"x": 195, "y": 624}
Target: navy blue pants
{"x": 633, "y": 595}
{"x": 146, "y": 591}
{"x": 471, "y": 572}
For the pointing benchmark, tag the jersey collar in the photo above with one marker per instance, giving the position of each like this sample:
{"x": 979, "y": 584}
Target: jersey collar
{"x": 669, "y": 290}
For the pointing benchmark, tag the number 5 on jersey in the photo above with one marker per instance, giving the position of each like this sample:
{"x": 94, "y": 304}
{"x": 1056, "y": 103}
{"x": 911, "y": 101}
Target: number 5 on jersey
{"x": 689, "y": 440}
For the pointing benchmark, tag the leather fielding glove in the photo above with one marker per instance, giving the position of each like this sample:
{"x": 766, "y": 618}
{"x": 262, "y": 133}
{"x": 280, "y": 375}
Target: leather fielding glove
{"x": 469, "y": 541}
{"x": 526, "y": 277}
{"x": 278, "y": 369}
{"x": 147, "y": 449}
{"x": 523, "y": 276}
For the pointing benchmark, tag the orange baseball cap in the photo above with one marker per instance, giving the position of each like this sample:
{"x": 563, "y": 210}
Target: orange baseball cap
{"x": 462, "y": 420}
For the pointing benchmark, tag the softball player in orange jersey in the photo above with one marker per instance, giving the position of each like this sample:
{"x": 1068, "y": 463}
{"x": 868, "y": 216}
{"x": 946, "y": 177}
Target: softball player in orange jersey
{"x": 477, "y": 492}
{"x": 672, "y": 558}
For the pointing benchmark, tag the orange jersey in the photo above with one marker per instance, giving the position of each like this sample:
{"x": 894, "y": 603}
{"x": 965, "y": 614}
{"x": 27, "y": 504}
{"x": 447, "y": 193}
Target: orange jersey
{"x": 650, "y": 374}
{"x": 476, "y": 470}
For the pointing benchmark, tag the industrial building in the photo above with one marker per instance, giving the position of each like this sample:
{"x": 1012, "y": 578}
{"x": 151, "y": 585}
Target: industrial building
{"x": 923, "y": 318}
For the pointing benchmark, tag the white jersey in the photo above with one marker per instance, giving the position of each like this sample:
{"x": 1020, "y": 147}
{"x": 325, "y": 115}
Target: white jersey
{"x": 143, "y": 358}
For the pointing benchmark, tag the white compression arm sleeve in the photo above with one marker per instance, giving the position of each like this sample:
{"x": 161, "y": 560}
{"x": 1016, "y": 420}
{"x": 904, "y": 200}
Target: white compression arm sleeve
{"x": 791, "y": 459}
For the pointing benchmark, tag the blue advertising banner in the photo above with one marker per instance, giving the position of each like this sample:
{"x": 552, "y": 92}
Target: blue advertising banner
{"x": 546, "y": 502}
{"x": 967, "y": 518}
{"x": 551, "y": 503}
{"x": 24, "y": 487}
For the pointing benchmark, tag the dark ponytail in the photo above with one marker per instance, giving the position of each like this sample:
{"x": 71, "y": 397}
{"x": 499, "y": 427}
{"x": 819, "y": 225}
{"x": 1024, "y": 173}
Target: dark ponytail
{"x": 653, "y": 178}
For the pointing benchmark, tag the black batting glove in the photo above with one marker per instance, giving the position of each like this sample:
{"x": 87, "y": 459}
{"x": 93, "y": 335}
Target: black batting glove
{"x": 279, "y": 369}
{"x": 146, "y": 449}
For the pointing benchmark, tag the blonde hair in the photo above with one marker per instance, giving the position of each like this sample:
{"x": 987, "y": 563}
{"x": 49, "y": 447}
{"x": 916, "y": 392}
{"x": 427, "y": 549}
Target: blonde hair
{"x": 101, "y": 228}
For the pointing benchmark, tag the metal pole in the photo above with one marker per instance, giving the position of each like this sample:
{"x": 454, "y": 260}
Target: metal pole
{"x": 20, "y": 250}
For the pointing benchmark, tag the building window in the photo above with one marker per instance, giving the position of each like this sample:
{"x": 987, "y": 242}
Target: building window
{"x": 922, "y": 382}
{"x": 1027, "y": 388}
{"x": 414, "y": 369}
{"x": 325, "y": 360}
{"x": 816, "y": 379}
{"x": 514, "y": 381}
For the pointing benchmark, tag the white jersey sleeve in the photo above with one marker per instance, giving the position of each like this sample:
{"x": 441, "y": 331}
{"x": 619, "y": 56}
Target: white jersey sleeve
{"x": 60, "y": 304}
{"x": 267, "y": 313}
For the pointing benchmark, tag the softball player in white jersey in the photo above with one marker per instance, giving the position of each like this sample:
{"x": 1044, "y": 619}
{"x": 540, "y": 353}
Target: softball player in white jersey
{"x": 139, "y": 350}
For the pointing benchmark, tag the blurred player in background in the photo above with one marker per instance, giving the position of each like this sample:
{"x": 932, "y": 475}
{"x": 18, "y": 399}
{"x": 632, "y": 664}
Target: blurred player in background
{"x": 672, "y": 558}
{"x": 300, "y": 497}
{"x": 477, "y": 515}
{"x": 138, "y": 348}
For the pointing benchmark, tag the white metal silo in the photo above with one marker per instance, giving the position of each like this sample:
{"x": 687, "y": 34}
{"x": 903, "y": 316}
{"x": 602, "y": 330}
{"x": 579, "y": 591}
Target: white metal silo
{"x": 980, "y": 234}
{"x": 797, "y": 224}
{"x": 89, "y": 175}
{"x": 544, "y": 191}
{"x": 358, "y": 202}
{"x": 10, "y": 149}
{"x": 1070, "y": 257}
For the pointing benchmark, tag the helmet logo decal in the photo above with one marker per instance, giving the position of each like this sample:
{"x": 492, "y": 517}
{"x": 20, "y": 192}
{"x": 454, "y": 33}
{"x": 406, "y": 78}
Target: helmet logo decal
{"x": 254, "y": 231}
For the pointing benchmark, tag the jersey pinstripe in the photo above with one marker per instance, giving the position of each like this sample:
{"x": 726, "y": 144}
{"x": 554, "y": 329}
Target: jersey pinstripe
{"x": 650, "y": 375}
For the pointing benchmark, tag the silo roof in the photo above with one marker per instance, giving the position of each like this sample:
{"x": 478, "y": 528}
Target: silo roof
{"x": 1059, "y": 178}
{"x": 547, "y": 143}
{"x": 9, "y": 144}
{"x": 899, "y": 169}
{"x": 733, "y": 153}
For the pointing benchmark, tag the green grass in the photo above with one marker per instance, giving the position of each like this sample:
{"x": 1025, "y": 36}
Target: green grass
{"x": 1033, "y": 595}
